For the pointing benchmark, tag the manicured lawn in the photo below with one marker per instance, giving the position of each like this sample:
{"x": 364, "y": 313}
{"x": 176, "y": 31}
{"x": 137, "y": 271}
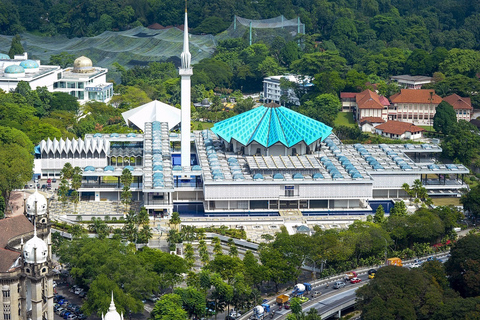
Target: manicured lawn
{"x": 205, "y": 125}
{"x": 345, "y": 119}
{"x": 428, "y": 128}
{"x": 446, "y": 201}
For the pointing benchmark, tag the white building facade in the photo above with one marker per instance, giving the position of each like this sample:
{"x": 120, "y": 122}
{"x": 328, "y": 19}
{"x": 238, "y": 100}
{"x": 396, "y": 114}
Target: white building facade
{"x": 83, "y": 81}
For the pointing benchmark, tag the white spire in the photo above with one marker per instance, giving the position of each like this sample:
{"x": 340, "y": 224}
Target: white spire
{"x": 186, "y": 57}
{"x": 112, "y": 305}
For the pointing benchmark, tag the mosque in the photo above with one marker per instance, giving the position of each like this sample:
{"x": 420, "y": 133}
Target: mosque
{"x": 84, "y": 81}
{"x": 261, "y": 162}
{"x": 26, "y": 268}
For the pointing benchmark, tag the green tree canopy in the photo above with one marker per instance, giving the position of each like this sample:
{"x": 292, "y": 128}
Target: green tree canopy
{"x": 445, "y": 118}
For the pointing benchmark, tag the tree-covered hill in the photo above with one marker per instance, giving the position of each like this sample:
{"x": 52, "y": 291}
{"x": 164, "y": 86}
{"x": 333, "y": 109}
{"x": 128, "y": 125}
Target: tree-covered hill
{"x": 368, "y": 23}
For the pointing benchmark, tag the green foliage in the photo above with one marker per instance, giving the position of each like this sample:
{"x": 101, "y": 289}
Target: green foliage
{"x": 16, "y": 47}
{"x": 463, "y": 265}
{"x": 445, "y": 118}
{"x": 2, "y": 207}
{"x": 17, "y": 160}
{"x": 399, "y": 209}
{"x": 63, "y": 59}
{"x": 126, "y": 180}
{"x": 471, "y": 201}
{"x": 462, "y": 144}
{"x": 323, "y": 108}
{"x": 379, "y": 215}
{"x": 400, "y": 293}
{"x": 169, "y": 307}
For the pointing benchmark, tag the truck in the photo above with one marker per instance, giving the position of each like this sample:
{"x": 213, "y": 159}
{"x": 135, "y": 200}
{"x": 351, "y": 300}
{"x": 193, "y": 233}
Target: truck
{"x": 350, "y": 275}
{"x": 281, "y": 299}
{"x": 394, "y": 262}
{"x": 300, "y": 289}
{"x": 259, "y": 312}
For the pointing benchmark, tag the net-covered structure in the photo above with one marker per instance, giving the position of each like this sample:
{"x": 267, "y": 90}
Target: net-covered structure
{"x": 263, "y": 30}
{"x": 137, "y": 46}
{"x": 140, "y": 45}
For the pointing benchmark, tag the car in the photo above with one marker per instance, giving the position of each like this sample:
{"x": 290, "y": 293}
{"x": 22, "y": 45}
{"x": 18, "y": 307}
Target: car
{"x": 286, "y": 305}
{"x": 30, "y": 186}
{"x": 235, "y": 314}
{"x": 54, "y": 180}
{"x": 59, "y": 310}
{"x": 415, "y": 265}
{"x": 371, "y": 273}
{"x": 49, "y": 180}
{"x": 338, "y": 285}
{"x": 78, "y": 290}
{"x": 355, "y": 280}
{"x": 303, "y": 299}
{"x": 62, "y": 302}
{"x": 83, "y": 294}
{"x": 316, "y": 294}
{"x": 63, "y": 312}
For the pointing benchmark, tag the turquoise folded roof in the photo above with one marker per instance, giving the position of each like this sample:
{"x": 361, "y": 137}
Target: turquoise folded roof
{"x": 269, "y": 125}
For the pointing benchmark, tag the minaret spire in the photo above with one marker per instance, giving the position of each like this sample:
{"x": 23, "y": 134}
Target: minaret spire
{"x": 185, "y": 72}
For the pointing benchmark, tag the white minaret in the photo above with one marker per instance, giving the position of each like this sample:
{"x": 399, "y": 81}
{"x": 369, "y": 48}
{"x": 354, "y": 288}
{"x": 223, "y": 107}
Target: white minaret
{"x": 185, "y": 72}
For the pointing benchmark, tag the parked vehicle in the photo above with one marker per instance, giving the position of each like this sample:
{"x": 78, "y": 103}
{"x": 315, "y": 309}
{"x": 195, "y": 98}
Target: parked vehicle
{"x": 415, "y": 265}
{"x": 287, "y": 305}
{"x": 394, "y": 262}
{"x": 338, "y": 285}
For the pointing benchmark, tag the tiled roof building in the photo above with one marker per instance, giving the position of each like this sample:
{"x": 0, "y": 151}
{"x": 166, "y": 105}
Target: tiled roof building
{"x": 414, "y": 106}
{"x": 462, "y": 106}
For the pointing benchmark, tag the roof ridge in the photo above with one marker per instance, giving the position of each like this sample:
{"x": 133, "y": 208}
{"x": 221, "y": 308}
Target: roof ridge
{"x": 298, "y": 133}
{"x": 250, "y": 140}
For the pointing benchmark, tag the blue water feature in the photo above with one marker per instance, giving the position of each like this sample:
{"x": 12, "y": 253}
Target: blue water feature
{"x": 386, "y": 204}
{"x": 177, "y": 159}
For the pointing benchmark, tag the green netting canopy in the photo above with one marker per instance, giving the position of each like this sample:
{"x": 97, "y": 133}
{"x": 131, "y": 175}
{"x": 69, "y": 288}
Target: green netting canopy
{"x": 269, "y": 125}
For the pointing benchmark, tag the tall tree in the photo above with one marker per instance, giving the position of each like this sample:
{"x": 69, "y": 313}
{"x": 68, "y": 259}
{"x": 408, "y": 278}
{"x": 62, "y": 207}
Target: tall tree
{"x": 463, "y": 266}
{"x": 126, "y": 179}
{"x": 445, "y": 118}
{"x": 16, "y": 47}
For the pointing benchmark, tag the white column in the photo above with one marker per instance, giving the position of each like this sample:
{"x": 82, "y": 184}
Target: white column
{"x": 186, "y": 107}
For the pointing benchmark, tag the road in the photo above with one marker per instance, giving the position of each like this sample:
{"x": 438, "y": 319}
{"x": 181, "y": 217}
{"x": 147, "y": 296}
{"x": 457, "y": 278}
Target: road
{"x": 331, "y": 300}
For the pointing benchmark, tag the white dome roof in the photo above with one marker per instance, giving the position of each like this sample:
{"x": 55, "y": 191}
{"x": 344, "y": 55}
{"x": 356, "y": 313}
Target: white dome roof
{"x": 112, "y": 313}
{"x": 35, "y": 247}
{"x": 41, "y": 204}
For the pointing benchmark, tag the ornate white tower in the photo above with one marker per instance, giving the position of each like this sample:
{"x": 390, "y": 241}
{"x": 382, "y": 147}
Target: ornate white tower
{"x": 185, "y": 72}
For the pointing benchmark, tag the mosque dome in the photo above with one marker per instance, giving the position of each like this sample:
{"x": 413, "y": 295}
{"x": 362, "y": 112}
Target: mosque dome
{"x": 35, "y": 250}
{"x": 83, "y": 65}
{"x": 13, "y": 71}
{"x": 29, "y": 65}
{"x": 4, "y": 56}
{"x": 112, "y": 313}
{"x": 41, "y": 204}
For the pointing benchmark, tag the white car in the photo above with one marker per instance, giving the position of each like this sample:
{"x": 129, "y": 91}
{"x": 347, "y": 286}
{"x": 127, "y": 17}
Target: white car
{"x": 415, "y": 265}
{"x": 78, "y": 290}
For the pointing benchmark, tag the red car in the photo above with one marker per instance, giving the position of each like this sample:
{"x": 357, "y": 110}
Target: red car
{"x": 286, "y": 305}
{"x": 355, "y": 280}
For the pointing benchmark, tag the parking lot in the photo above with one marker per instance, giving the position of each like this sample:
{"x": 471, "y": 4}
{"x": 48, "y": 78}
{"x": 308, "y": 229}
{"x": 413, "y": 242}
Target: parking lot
{"x": 72, "y": 298}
